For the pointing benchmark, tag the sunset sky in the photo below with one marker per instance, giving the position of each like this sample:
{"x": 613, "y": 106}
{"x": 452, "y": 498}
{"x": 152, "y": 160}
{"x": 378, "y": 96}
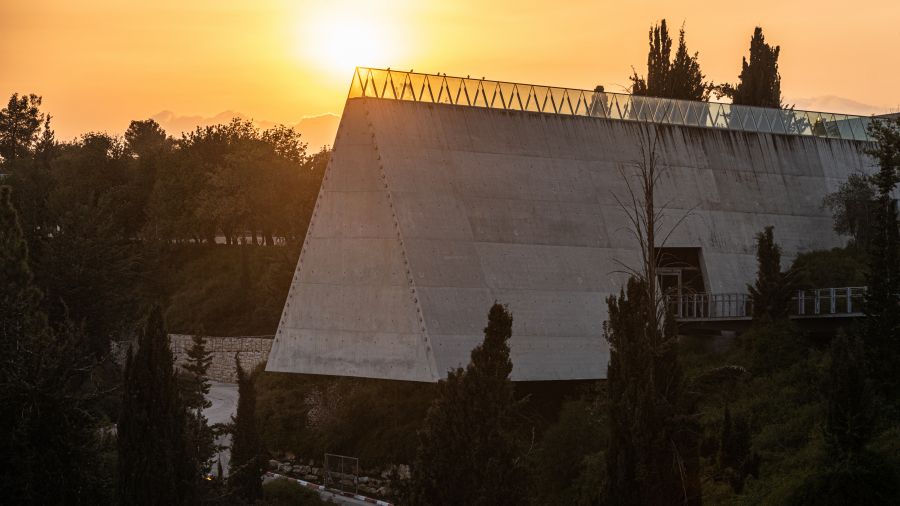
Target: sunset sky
{"x": 101, "y": 63}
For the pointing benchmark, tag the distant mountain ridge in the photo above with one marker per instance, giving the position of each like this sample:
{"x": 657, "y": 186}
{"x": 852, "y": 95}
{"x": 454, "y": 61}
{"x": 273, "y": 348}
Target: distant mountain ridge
{"x": 317, "y": 131}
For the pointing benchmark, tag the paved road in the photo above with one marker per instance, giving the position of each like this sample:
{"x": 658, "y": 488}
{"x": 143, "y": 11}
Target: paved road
{"x": 224, "y": 397}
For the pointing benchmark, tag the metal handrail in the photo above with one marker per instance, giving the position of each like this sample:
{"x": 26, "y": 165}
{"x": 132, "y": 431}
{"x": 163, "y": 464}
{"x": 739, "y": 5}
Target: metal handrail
{"x": 465, "y": 91}
{"x": 817, "y": 302}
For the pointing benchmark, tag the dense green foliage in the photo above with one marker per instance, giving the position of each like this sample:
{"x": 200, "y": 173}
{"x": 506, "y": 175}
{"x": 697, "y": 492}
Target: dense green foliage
{"x": 831, "y": 268}
{"x": 853, "y": 206}
{"x": 652, "y": 454}
{"x": 679, "y": 78}
{"x": 247, "y": 452}
{"x": 570, "y": 455}
{"x": 156, "y": 464}
{"x": 759, "y": 81}
{"x": 882, "y": 323}
{"x": 224, "y": 291}
{"x": 47, "y": 428}
{"x": 375, "y": 420}
{"x": 114, "y": 224}
{"x": 467, "y": 452}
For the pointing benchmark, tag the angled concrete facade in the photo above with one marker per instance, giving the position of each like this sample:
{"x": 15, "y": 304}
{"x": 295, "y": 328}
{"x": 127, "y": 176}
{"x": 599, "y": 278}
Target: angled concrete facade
{"x": 428, "y": 213}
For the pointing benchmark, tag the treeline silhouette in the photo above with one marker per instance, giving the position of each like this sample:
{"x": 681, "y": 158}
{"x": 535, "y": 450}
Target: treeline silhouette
{"x": 115, "y": 223}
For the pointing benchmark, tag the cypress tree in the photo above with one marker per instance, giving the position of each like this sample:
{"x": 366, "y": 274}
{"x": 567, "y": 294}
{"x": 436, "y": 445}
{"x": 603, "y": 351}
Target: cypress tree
{"x": 652, "y": 457}
{"x": 680, "y": 78}
{"x": 246, "y": 466}
{"x": 759, "y": 82}
{"x": 466, "y": 453}
{"x": 154, "y": 461}
{"x": 196, "y": 386}
{"x": 882, "y": 304}
{"x": 772, "y": 290}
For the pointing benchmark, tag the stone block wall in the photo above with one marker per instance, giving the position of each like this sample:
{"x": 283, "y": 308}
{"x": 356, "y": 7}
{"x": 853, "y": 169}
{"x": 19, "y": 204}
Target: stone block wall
{"x": 251, "y": 351}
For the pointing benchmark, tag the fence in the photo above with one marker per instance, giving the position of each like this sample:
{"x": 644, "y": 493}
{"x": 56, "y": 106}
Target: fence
{"x": 465, "y": 91}
{"x": 818, "y": 302}
{"x": 341, "y": 473}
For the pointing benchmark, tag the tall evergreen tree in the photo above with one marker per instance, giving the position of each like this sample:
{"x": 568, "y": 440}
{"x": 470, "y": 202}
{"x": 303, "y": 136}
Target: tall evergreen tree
{"x": 652, "y": 458}
{"x": 759, "y": 82}
{"x": 467, "y": 453}
{"x": 679, "y": 78}
{"x": 154, "y": 461}
{"x": 46, "y": 428}
{"x": 882, "y": 305}
{"x": 246, "y": 466}
{"x": 195, "y": 388}
{"x": 771, "y": 292}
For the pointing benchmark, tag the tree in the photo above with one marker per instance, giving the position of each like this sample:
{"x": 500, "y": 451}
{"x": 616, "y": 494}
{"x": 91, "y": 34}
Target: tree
{"x": 46, "y": 427}
{"x": 20, "y": 121}
{"x": 771, "y": 292}
{"x": 760, "y": 82}
{"x": 195, "y": 388}
{"x": 154, "y": 459}
{"x": 467, "y": 453}
{"x": 852, "y": 207}
{"x": 146, "y": 139}
{"x": 246, "y": 467}
{"x": 882, "y": 323}
{"x": 653, "y": 456}
{"x": 679, "y": 79}
{"x": 849, "y": 474}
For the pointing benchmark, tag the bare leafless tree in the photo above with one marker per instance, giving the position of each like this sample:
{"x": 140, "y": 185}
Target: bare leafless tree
{"x": 647, "y": 218}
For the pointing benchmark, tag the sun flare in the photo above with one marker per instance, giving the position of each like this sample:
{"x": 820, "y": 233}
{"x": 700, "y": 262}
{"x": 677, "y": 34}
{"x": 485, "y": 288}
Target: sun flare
{"x": 343, "y": 36}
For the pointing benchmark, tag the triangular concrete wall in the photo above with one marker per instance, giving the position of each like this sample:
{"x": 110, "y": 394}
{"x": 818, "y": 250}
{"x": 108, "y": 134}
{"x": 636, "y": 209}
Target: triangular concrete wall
{"x": 429, "y": 213}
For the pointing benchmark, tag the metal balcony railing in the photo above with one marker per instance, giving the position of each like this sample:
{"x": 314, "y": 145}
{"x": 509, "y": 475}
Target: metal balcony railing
{"x": 815, "y": 303}
{"x": 442, "y": 89}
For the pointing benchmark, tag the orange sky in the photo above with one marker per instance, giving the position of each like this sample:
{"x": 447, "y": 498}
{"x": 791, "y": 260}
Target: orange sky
{"x": 101, "y": 63}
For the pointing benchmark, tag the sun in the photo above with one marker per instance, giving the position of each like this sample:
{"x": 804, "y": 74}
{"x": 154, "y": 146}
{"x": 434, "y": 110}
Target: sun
{"x": 340, "y": 37}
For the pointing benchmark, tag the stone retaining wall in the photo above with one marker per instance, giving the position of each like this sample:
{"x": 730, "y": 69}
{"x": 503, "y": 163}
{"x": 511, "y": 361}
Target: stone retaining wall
{"x": 251, "y": 351}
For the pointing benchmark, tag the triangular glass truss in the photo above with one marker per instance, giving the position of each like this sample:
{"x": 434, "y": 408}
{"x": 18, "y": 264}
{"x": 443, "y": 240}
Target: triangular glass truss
{"x": 397, "y": 85}
{"x": 481, "y": 99}
{"x": 492, "y": 94}
{"x": 531, "y": 101}
{"x": 778, "y": 125}
{"x": 623, "y": 109}
{"x": 418, "y": 84}
{"x": 443, "y": 96}
{"x": 393, "y": 88}
{"x": 406, "y": 92}
{"x": 470, "y": 89}
{"x": 542, "y": 98}
{"x": 557, "y": 95}
{"x": 356, "y": 89}
{"x": 566, "y": 106}
{"x": 432, "y": 88}
{"x": 380, "y": 81}
{"x": 639, "y": 109}
{"x": 505, "y": 94}
{"x": 454, "y": 87}
{"x": 582, "y": 105}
